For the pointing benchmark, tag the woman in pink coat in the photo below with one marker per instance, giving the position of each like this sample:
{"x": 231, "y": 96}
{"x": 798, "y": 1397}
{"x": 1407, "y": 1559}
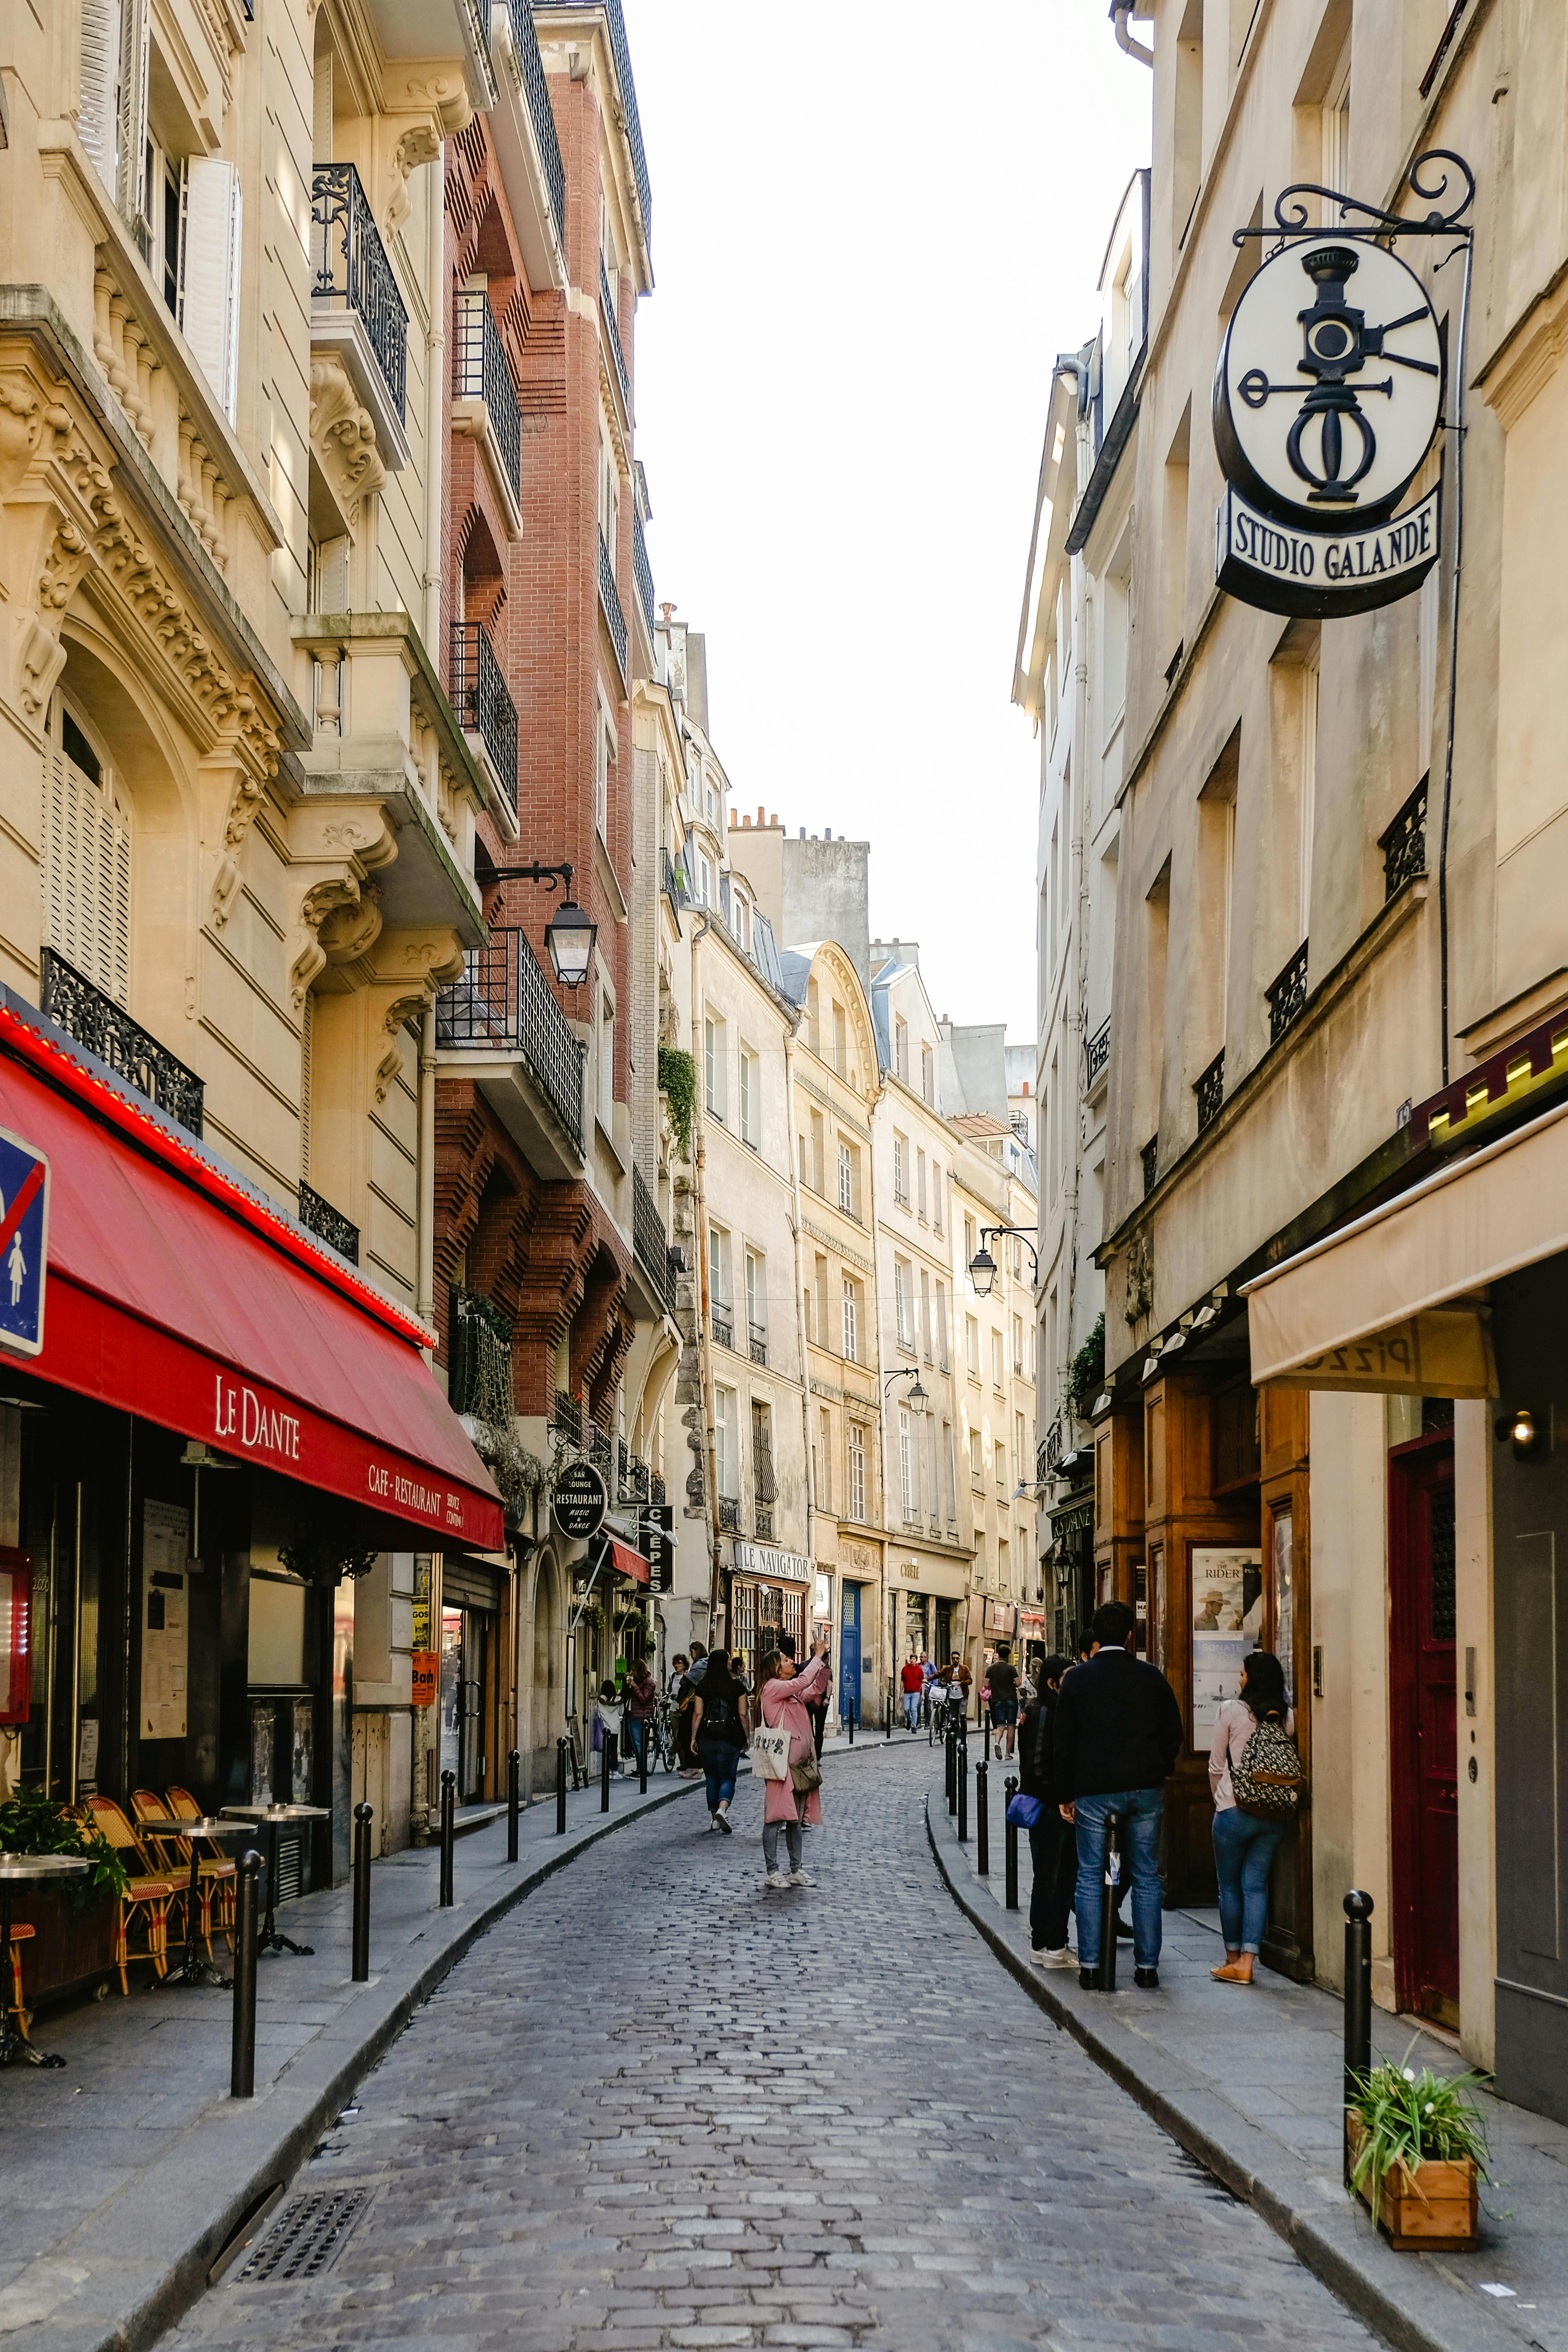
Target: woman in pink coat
{"x": 787, "y": 1694}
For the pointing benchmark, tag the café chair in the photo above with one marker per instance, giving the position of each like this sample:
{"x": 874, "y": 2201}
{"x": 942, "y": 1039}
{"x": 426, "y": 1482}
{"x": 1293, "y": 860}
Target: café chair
{"x": 146, "y": 1899}
{"x": 216, "y": 1876}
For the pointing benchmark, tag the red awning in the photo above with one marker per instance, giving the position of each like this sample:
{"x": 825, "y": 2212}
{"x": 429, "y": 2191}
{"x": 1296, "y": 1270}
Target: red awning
{"x": 175, "y": 1292}
{"x": 627, "y": 1562}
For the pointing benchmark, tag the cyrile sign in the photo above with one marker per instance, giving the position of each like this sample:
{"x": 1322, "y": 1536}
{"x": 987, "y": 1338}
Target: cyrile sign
{"x": 1326, "y": 399}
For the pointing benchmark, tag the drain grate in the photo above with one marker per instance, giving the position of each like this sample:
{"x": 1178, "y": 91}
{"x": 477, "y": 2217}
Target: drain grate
{"x": 309, "y": 2236}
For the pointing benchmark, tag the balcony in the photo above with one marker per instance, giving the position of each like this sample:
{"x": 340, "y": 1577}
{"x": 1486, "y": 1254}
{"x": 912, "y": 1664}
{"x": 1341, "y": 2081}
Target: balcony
{"x": 1286, "y": 995}
{"x": 643, "y": 569}
{"x": 486, "y": 711}
{"x": 566, "y": 1419}
{"x": 656, "y": 1493}
{"x": 481, "y": 373}
{"x": 601, "y": 1451}
{"x": 106, "y": 1029}
{"x": 759, "y": 1339}
{"x": 1150, "y": 1156}
{"x": 631, "y": 1474}
{"x": 478, "y": 1351}
{"x": 763, "y": 1522}
{"x": 1096, "y": 1056}
{"x": 729, "y": 1515}
{"x": 673, "y": 890}
{"x": 612, "y": 336}
{"x": 723, "y": 1323}
{"x": 610, "y": 603}
{"x": 1404, "y": 846}
{"x": 355, "y": 305}
{"x": 503, "y": 1004}
{"x": 650, "y": 1241}
{"x": 328, "y": 1224}
{"x": 540, "y": 114}
{"x": 1210, "y": 1091}
{"x": 621, "y": 56}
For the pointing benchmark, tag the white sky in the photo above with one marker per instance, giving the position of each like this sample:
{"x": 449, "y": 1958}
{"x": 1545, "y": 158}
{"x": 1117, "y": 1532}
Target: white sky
{"x": 875, "y": 225}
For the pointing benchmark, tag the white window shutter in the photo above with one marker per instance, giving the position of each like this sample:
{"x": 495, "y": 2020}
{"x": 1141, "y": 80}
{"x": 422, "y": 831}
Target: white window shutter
{"x": 86, "y": 877}
{"x": 135, "y": 62}
{"x": 97, "y": 113}
{"x": 210, "y": 310}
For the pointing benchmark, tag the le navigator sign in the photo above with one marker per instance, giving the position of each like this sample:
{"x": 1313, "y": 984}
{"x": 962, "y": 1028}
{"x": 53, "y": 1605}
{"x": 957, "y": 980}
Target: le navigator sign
{"x": 1327, "y": 400}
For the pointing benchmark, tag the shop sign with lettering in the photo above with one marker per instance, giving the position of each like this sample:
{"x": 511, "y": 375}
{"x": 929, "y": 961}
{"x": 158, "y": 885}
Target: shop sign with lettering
{"x": 580, "y": 1501}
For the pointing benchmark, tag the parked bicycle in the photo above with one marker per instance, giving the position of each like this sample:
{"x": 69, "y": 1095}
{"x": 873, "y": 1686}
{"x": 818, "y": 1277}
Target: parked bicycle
{"x": 662, "y": 1748}
{"x": 946, "y": 1715}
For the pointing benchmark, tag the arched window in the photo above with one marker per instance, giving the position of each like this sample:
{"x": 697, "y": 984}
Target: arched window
{"x": 85, "y": 868}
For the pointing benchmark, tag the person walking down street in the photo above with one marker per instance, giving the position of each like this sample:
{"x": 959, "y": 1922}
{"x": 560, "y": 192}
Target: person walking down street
{"x": 1117, "y": 1734}
{"x": 720, "y": 1734}
{"x": 929, "y": 1676}
{"x": 685, "y": 1702}
{"x": 1052, "y": 1853}
{"x": 1245, "y": 1844}
{"x": 913, "y": 1677}
{"x": 606, "y": 1731}
{"x": 785, "y": 1697}
{"x": 1003, "y": 1677}
{"x": 639, "y": 1696}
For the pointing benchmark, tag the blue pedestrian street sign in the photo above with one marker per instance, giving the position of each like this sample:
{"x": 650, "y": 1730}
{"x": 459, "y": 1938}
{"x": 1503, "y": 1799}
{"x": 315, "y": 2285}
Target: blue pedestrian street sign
{"x": 24, "y": 1242}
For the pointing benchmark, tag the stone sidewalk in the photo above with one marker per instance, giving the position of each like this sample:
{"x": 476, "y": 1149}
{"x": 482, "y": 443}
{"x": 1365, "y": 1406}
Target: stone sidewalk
{"x": 1249, "y": 2082}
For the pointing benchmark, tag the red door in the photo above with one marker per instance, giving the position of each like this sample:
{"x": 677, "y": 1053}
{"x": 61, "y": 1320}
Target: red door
{"x": 1424, "y": 1730}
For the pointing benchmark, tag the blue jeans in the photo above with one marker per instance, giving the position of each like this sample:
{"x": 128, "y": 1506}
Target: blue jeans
{"x": 719, "y": 1761}
{"x": 1244, "y": 1851}
{"x": 1141, "y": 1810}
{"x": 911, "y": 1710}
{"x": 637, "y": 1737}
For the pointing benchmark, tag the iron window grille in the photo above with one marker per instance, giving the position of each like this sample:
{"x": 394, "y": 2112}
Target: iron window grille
{"x": 1404, "y": 846}
{"x": 536, "y": 90}
{"x": 1097, "y": 1054}
{"x": 480, "y": 370}
{"x": 610, "y": 599}
{"x": 478, "y": 1346}
{"x": 352, "y": 269}
{"x": 106, "y": 1029}
{"x": 613, "y": 335}
{"x": 328, "y": 1224}
{"x": 674, "y": 889}
{"x": 483, "y": 704}
{"x": 656, "y": 1490}
{"x": 1286, "y": 995}
{"x": 643, "y": 569}
{"x": 729, "y": 1514}
{"x": 1150, "y": 1156}
{"x": 650, "y": 1241}
{"x": 600, "y": 1449}
{"x": 763, "y": 1521}
{"x": 567, "y": 1417}
{"x": 503, "y": 1004}
{"x": 759, "y": 1339}
{"x": 1210, "y": 1091}
{"x": 723, "y": 1327}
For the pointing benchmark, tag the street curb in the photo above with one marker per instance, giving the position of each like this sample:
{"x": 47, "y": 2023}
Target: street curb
{"x": 1379, "y": 2286}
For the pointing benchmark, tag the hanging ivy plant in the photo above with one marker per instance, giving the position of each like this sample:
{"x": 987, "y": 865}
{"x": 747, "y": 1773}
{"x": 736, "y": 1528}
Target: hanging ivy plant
{"x": 328, "y": 1547}
{"x": 677, "y": 1084}
{"x": 1086, "y": 1371}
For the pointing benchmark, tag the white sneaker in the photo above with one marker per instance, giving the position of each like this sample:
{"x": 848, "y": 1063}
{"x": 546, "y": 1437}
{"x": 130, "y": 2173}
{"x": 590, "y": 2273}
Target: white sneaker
{"x": 800, "y": 1878}
{"x": 774, "y": 1878}
{"x": 712, "y": 1824}
{"x": 1046, "y": 1959}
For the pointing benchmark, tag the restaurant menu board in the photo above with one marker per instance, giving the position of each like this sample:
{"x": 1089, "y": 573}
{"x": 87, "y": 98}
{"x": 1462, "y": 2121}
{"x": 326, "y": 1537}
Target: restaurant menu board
{"x": 166, "y": 1621}
{"x": 1227, "y": 1606}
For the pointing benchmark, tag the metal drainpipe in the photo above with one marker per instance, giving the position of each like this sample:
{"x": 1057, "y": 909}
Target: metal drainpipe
{"x": 800, "y": 1304}
{"x": 1124, "y": 40}
{"x": 434, "y": 389}
{"x": 705, "y": 1327}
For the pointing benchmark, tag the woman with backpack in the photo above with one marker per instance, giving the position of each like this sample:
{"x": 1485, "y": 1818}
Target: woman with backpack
{"x": 719, "y": 1735}
{"x": 1255, "y": 1776}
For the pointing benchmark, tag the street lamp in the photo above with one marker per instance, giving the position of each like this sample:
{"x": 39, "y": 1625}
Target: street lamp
{"x": 983, "y": 1265}
{"x": 571, "y": 931}
{"x": 916, "y": 1399}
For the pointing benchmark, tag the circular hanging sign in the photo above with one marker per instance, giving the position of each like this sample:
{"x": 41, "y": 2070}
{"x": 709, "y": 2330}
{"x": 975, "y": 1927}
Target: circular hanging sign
{"x": 1329, "y": 386}
{"x": 580, "y": 1500}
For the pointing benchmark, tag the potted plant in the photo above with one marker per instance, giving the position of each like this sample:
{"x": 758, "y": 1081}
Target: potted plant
{"x": 1417, "y": 2146}
{"x": 72, "y": 1916}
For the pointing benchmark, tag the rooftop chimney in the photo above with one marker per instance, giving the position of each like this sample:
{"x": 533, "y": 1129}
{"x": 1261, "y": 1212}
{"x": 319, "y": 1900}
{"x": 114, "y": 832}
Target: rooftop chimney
{"x": 760, "y": 818}
{"x": 745, "y": 821}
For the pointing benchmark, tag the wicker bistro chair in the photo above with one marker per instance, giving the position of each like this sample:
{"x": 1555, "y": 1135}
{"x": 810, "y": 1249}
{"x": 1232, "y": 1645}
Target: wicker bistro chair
{"x": 146, "y": 1899}
{"x": 217, "y": 1872}
{"x": 20, "y": 1934}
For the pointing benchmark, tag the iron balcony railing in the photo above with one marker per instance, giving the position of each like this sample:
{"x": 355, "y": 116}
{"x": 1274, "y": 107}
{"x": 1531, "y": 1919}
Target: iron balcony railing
{"x": 1150, "y": 1156}
{"x": 480, "y": 371}
{"x": 503, "y": 1004}
{"x": 763, "y": 1522}
{"x": 759, "y": 1339}
{"x": 656, "y": 1493}
{"x": 643, "y": 568}
{"x": 479, "y": 1350}
{"x": 730, "y": 1514}
{"x": 536, "y": 89}
{"x": 352, "y": 269}
{"x": 601, "y": 1449}
{"x": 631, "y": 1474}
{"x": 106, "y": 1029}
{"x": 672, "y": 885}
{"x": 722, "y": 1320}
{"x": 650, "y": 1241}
{"x": 610, "y": 598}
{"x": 613, "y": 334}
{"x": 622, "y": 58}
{"x": 328, "y": 1224}
{"x": 1210, "y": 1091}
{"x": 483, "y": 705}
{"x": 1286, "y": 995}
{"x": 567, "y": 1418}
{"x": 1404, "y": 846}
{"x": 1096, "y": 1055}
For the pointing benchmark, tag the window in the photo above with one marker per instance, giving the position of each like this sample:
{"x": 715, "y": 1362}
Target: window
{"x": 936, "y": 1194}
{"x": 907, "y": 1485}
{"x": 825, "y": 1451}
{"x": 720, "y": 1294}
{"x": 925, "y": 1314}
{"x": 702, "y": 878}
{"x": 999, "y": 1463}
{"x": 942, "y": 1324}
{"x": 606, "y": 1062}
{"x": 976, "y": 1462}
{"x": 903, "y": 1303}
{"x": 726, "y": 1450}
{"x": 901, "y": 1048}
{"x": 969, "y": 1245}
{"x": 824, "y": 1332}
{"x": 972, "y": 1346}
{"x": 851, "y": 1320}
{"x": 902, "y": 1170}
{"x": 840, "y": 1042}
{"x": 920, "y": 1185}
{"x": 1019, "y": 1346}
{"x": 757, "y": 1299}
{"x": 1020, "y": 1451}
{"x": 87, "y": 859}
{"x": 604, "y": 761}
{"x": 815, "y": 1178}
{"x": 928, "y": 1074}
{"x": 716, "y": 1091}
{"x": 750, "y": 1105}
{"x": 846, "y": 1179}
{"x": 857, "y": 1471}
{"x": 997, "y": 1380}
{"x": 1003, "y": 1564}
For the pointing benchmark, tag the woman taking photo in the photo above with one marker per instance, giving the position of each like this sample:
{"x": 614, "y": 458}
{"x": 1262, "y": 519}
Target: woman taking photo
{"x": 786, "y": 1697}
{"x": 719, "y": 1735}
{"x": 1245, "y": 1844}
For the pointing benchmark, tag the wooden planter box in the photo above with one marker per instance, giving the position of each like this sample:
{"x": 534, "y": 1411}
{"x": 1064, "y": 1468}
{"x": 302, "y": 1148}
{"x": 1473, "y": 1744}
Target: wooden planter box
{"x": 68, "y": 1947}
{"x": 1435, "y": 2205}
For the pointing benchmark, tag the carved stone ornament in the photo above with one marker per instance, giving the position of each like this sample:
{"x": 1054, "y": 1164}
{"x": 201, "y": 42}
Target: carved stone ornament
{"x": 333, "y": 852}
{"x": 1138, "y": 1296}
{"x": 442, "y": 106}
{"x": 410, "y": 967}
{"x": 343, "y": 435}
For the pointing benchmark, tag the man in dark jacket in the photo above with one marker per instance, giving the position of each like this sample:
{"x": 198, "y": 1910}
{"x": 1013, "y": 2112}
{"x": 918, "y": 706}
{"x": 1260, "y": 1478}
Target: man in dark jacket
{"x": 1051, "y": 1852}
{"x": 1117, "y": 1734}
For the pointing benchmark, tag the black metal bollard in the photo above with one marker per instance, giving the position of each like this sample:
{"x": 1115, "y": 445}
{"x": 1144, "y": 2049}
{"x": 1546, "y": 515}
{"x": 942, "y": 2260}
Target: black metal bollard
{"x": 887, "y": 1718}
{"x": 1358, "y": 2000}
{"x": 1010, "y": 1843}
{"x": 448, "y": 1833}
{"x": 1110, "y": 1879}
{"x": 604, "y": 1772}
{"x": 982, "y": 1819}
{"x": 513, "y": 1800}
{"x": 561, "y": 1747}
{"x": 642, "y": 1732}
{"x": 242, "y": 2062}
{"x": 952, "y": 1770}
{"x": 851, "y": 1723}
{"x": 963, "y": 1794}
{"x": 363, "y": 1815}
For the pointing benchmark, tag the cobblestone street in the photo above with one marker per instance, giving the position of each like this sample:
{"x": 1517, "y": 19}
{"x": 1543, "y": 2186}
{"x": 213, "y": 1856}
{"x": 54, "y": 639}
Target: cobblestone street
{"x": 657, "y": 2107}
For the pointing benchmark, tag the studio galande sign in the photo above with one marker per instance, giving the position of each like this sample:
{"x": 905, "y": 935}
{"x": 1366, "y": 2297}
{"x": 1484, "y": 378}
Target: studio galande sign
{"x": 1326, "y": 399}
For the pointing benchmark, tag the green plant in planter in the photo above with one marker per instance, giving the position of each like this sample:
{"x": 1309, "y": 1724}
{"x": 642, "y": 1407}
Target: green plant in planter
{"x": 31, "y": 1822}
{"x": 677, "y": 1084}
{"x": 1414, "y": 2119}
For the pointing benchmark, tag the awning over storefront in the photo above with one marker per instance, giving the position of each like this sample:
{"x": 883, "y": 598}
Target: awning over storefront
{"x": 627, "y": 1562}
{"x": 176, "y": 1292}
{"x": 1396, "y": 1302}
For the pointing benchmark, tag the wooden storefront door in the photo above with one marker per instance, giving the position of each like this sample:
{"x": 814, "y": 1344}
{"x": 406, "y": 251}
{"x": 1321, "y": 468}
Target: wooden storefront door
{"x": 1423, "y": 1760}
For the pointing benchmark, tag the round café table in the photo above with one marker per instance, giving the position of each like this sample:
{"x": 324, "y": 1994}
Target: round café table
{"x": 193, "y": 1969}
{"x": 273, "y": 1819}
{"x": 21, "y": 1869}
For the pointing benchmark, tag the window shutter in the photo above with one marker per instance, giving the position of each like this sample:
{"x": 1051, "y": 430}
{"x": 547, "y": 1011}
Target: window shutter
{"x": 210, "y": 312}
{"x": 135, "y": 61}
{"x": 96, "y": 117}
{"x": 86, "y": 877}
